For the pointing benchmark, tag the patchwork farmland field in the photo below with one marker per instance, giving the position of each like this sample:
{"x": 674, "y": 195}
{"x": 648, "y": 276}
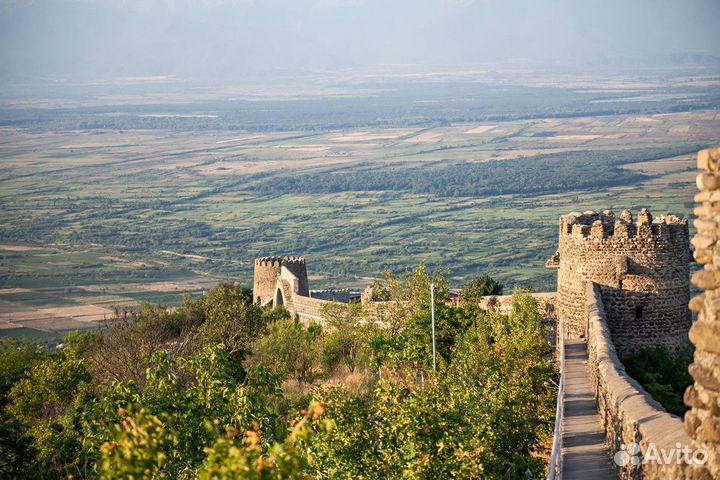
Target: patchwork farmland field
{"x": 97, "y": 218}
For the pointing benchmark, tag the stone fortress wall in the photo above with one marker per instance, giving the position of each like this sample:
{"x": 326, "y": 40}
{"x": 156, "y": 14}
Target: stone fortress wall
{"x": 642, "y": 271}
{"x": 283, "y": 281}
{"x": 546, "y": 302}
{"x": 267, "y": 272}
{"x": 624, "y": 286}
{"x": 628, "y": 414}
{"x": 702, "y": 422}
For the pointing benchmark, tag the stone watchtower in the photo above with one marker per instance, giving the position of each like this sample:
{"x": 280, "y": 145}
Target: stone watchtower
{"x": 267, "y": 271}
{"x": 643, "y": 272}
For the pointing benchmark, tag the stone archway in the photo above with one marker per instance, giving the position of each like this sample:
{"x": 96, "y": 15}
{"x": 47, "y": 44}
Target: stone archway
{"x": 279, "y": 298}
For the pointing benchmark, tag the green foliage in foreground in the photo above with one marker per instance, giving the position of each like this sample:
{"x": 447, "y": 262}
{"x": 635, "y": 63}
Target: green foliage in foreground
{"x": 479, "y": 418}
{"x": 664, "y": 375}
{"x": 482, "y": 286}
{"x": 220, "y": 388}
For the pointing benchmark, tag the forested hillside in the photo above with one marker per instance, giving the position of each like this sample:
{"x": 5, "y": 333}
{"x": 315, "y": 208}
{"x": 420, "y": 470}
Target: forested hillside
{"x": 221, "y": 388}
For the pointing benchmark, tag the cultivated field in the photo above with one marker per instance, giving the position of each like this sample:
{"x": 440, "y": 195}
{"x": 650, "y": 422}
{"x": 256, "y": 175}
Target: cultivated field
{"x": 98, "y": 218}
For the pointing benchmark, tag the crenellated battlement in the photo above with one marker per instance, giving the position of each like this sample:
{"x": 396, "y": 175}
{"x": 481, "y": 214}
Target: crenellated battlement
{"x": 269, "y": 269}
{"x": 641, "y": 267}
{"x": 607, "y": 228}
{"x": 279, "y": 261}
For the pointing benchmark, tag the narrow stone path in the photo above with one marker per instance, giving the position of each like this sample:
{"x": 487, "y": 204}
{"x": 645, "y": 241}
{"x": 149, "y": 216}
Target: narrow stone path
{"x": 584, "y": 452}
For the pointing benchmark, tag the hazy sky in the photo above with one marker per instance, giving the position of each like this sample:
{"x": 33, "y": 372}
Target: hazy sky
{"x": 230, "y": 38}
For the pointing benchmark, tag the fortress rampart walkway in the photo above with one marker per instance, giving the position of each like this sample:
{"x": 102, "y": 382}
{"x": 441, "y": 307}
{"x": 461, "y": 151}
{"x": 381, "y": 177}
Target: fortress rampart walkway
{"x": 584, "y": 453}
{"x": 602, "y": 411}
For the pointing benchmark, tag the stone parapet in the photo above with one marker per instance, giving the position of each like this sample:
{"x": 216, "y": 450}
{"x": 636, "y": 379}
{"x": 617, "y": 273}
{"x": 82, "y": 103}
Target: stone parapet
{"x": 310, "y": 307}
{"x": 545, "y": 300}
{"x": 604, "y": 226}
{"x": 702, "y": 422}
{"x": 627, "y": 412}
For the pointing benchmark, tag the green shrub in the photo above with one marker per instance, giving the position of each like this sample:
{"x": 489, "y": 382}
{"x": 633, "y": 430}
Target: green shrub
{"x": 665, "y": 376}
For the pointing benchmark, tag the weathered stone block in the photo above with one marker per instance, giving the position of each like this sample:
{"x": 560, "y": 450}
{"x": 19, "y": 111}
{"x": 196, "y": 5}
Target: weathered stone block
{"x": 692, "y": 423}
{"x": 691, "y": 397}
{"x": 709, "y": 159}
{"x": 706, "y": 226}
{"x": 703, "y": 241}
{"x": 703, "y": 255}
{"x": 707, "y": 279}
{"x": 708, "y": 181}
{"x": 705, "y": 376}
{"x": 711, "y": 430}
{"x": 706, "y": 336}
{"x": 697, "y": 303}
{"x": 701, "y": 473}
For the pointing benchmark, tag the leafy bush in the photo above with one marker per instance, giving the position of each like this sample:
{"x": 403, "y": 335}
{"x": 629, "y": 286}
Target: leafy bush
{"x": 288, "y": 350}
{"x": 198, "y": 393}
{"x": 481, "y": 416}
{"x": 16, "y": 358}
{"x": 664, "y": 375}
{"x": 480, "y": 287}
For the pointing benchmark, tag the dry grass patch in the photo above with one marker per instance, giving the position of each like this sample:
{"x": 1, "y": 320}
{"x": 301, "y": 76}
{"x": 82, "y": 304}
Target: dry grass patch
{"x": 10, "y": 291}
{"x": 357, "y": 383}
{"x": 304, "y": 148}
{"x": 20, "y": 248}
{"x": 573, "y": 138}
{"x": 428, "y": 137}
{"x": 160, "y": 287}
{"x": 367, "y": 136}
{"x": 53, "y": 318}
{"x": 240, "y": 139}
{"x": 481, "y": 129}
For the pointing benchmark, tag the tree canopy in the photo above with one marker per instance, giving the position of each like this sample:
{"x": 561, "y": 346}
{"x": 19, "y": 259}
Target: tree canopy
{"x": 222, "y": 388}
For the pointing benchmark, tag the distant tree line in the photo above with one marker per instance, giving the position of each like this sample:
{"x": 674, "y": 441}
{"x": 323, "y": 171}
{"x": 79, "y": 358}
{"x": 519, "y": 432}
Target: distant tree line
{"x": 541, "y": 174}
{"x": 394, "y": 105}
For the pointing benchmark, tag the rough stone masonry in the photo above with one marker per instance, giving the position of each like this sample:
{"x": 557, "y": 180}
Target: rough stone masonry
{"x": 702, "y": 422}
{"x": 642, "y": 271}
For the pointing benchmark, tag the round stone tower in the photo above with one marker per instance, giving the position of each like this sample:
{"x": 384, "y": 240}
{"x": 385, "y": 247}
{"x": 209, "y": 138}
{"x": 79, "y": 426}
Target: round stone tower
{"x": 642, "y": 270}
{"x": 267, "y": 271}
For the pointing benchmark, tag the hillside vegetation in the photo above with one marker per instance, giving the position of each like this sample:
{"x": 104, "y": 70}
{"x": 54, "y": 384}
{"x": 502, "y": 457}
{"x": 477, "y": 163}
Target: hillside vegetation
{"x": 664, "y": 375}
{"x": 221, "y": 388}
